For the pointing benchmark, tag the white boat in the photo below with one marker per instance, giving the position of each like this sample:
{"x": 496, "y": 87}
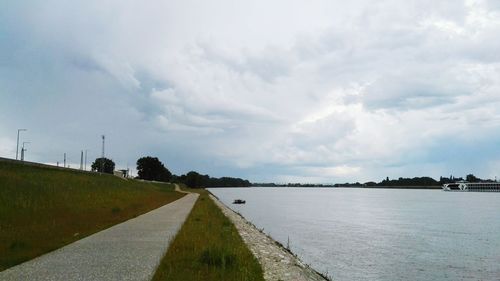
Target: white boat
{"x": 472, "y": 186}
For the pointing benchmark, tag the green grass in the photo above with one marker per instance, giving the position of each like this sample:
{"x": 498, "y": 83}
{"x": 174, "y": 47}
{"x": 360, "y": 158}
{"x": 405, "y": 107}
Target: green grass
{"x": 42, "y": 209}
{"x": 208, "y": 247}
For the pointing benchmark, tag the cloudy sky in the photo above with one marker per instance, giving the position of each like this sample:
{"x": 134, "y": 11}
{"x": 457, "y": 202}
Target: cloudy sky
{"x": 282, "y": 90}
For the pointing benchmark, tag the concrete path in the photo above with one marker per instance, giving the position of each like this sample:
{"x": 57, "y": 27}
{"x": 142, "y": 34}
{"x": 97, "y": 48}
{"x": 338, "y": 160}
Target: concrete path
{"x": 128, "y": 251}
{"x": 178, "y": 189}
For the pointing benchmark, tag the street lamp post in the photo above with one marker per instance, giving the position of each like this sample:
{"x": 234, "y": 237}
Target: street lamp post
{"x": 17, "y": 147}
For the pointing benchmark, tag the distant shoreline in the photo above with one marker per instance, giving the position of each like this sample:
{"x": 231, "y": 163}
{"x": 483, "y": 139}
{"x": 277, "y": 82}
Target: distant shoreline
{"x": 403, "y": 187}
{"x": 433, "y": 187}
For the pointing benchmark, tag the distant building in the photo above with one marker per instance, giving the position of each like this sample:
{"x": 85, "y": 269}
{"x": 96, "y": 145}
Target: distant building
{"x": 121, "y": 173}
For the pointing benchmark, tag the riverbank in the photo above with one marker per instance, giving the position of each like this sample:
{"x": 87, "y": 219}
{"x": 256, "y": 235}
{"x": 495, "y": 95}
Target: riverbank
{"x": 277, "y": 262}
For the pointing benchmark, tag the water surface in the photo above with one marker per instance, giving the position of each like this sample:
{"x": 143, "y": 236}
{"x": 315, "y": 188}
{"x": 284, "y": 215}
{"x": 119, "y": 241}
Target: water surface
{"x": 380, "y": 234}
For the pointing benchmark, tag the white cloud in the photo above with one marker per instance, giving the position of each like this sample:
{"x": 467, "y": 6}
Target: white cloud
{"x": 349, "y": 89}
{"x": 7, "y": 147}
{"x": 336, "y": 171}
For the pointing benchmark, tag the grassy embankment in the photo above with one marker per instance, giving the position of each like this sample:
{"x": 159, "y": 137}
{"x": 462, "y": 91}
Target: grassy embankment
{"x": 208, "y": 247}
{"x": 42, "y": 209}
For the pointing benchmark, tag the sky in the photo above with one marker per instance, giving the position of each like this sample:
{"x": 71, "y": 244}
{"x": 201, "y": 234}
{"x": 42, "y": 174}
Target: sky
{"x": 271, "y": 91}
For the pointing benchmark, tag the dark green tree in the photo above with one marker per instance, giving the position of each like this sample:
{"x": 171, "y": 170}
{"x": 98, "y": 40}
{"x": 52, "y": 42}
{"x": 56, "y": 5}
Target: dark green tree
{"x": 103, "y": 165}
{"x": 472, "y": 178}
{"x": 150, "y": 168}
{"x": 193, "y": 179}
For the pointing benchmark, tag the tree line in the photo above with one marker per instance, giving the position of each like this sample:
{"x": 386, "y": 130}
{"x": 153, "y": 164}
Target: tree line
{"x": 400, "y": 182}
{"x": 152, "y": 169}
{"x": 194, "y": 179}
{"x": 416, "y": 181}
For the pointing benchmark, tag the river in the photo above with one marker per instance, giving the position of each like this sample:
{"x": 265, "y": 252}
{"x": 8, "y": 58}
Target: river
{"x": 380, "y": 234}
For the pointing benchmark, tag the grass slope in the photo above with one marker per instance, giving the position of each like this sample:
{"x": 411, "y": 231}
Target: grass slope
{"x": 208, "y": 247}
{"x": 42, "y": 209}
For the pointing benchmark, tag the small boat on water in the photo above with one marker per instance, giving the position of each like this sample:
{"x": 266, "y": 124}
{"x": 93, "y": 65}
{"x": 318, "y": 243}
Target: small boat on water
{"x": 239, "y": 201}
{"x": 472, "y": 186}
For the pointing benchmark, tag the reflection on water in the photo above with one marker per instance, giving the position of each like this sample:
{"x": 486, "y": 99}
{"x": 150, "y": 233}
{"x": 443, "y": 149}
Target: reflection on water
{"x": 381, "y": 234}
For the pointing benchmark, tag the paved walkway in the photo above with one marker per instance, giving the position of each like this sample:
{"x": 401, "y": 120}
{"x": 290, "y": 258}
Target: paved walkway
{"x": 128, "y": 251}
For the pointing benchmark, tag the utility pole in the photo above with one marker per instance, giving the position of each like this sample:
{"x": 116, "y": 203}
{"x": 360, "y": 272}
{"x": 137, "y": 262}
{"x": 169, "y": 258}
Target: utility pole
{"x": 102, "y": 157}
{"x": 81, "y": 161}
{"x": 23, "y": 150}
{"x": 85, "y": 159}
{"x": 64, "y": 160}
{"x": 17, "y": 147}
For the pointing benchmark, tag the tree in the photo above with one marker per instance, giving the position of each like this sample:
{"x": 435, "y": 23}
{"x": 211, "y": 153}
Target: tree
{"x": 150, "y": 168}
{"x": 472, "y": 178}
{"x": 107, "y": 164}
{"x": 193, "y": 179}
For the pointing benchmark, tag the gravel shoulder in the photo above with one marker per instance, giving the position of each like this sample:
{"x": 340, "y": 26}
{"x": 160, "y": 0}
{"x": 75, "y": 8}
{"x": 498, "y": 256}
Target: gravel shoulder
{"x": 277, "y": 262}
{"x": 128, "y": 251}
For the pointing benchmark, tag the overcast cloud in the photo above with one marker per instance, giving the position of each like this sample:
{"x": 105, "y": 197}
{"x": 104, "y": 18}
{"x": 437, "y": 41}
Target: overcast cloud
{"x": 309, "y": 91}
